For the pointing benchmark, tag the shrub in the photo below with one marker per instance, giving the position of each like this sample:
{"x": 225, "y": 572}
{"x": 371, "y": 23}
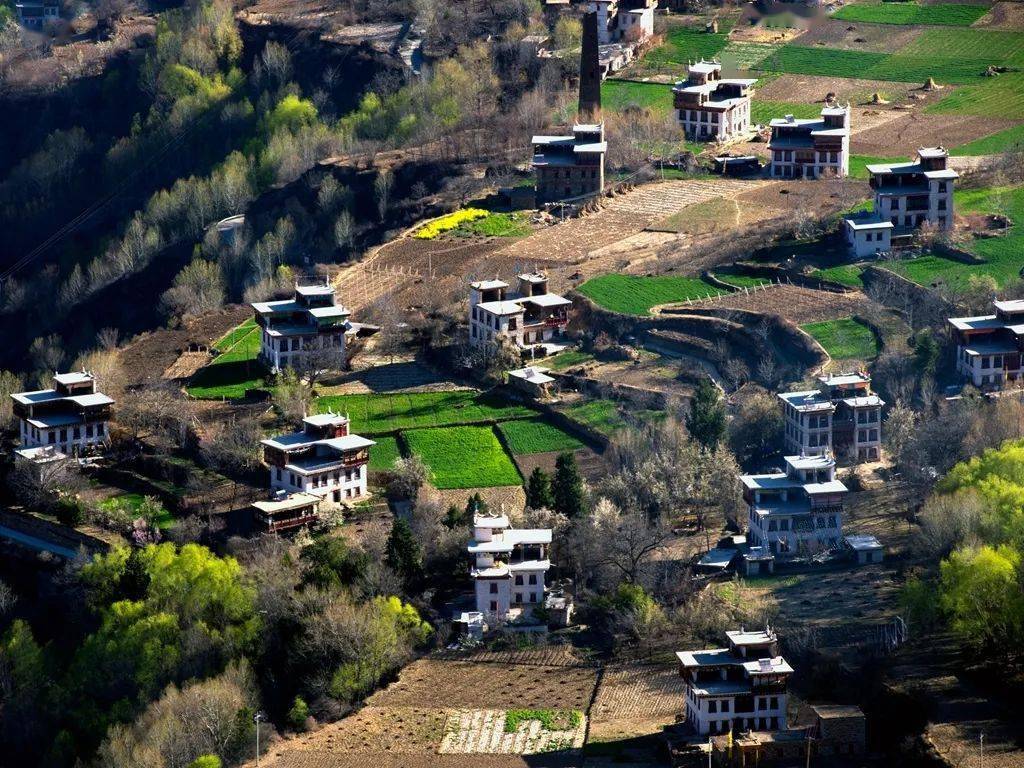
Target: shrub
{"x": 298, "y": 714}
{"x": 69, "y": 511}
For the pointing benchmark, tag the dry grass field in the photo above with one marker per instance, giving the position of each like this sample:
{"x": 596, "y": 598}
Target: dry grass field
{"x": 792, "y": 302}
{"x": 636, "y": 700}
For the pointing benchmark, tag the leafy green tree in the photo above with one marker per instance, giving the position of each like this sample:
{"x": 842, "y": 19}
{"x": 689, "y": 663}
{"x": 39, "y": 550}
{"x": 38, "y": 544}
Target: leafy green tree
{"x": 404, "y": 554}
{"x": 706, "y": 420}
{"x": 475, "y": 505}
{"x": 538, "y": 490}
{"x": 981, "y": 594}
{"x": 567, "y": 487}
{"x": 331, "y": 563}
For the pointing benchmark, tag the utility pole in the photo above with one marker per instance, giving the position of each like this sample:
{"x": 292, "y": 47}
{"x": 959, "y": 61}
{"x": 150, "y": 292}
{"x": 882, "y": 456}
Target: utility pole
{"x": 981, "y": 746}
{"x": 256, "y": 719}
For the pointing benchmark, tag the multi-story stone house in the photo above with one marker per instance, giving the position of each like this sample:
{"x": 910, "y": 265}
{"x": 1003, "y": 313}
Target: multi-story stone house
{"x": 710, "y": 108}
{"x": 742, "y": 687}
{"x": 509, "y": 567}
{"x": 531, "y": 318}
{"x": 908, "y": 195}
{"x": 35, "y": 14}
{"x": 798, "y": 511}
{"x": 307, "y": 329}
{"x": 626, "y": 21}
{"x": 71, "y": 417}
{"x": 323, "y": 459}
{"x": 570, "y": 166}
{"x": 811, "y": 149}
{"x": 843, "y": 418}
{"x": 989, "y": 347}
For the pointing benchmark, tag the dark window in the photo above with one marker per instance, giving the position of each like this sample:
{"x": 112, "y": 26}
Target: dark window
{"x": 519, "y": 581}
{"x": 494, "y": 588}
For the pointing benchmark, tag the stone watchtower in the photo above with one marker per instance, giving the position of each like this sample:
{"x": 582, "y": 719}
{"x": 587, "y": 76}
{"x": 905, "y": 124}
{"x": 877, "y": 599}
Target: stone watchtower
{"x": 590, "y": 73}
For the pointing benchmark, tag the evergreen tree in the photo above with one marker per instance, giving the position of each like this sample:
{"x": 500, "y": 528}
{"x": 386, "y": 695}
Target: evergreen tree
{"x": 706, "y": 420}
{"x": 475, "y": 505}
{"x": 403, "y": 553}
{"x": 567, "y": 486}
{"x": 538, "y": 490}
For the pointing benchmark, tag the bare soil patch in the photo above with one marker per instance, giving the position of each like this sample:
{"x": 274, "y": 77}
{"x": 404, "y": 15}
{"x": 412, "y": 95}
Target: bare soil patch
{"x": 508, "y": 497}
{"x": 859, "y": 36}
{"x": 545, "y": 656}
{"x": 468, "y": 685}
{"x": 795, "y": 303}
{"x": 636, "y": 700}
{"x": 1003, "y": 16}
{"x": 812, "y": 89}
{"x": 818, "y": 197}
{"x": 148, "y": 355}
{"x": 909, "y": 130}
{"x": 592, "y": 466}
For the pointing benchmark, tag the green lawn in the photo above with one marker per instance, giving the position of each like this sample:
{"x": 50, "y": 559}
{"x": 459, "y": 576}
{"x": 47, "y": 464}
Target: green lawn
{"x": 568, "y": 359}
{"x": 385, "y": 453}
{"x": 1010, "y": 140}
{"x": 379, "y": 413}
{"x": 845, "y": 339}
{"x": 634, "y": 295}
{"x": 537, "y": 436}
{"x": 859, "y": 164}
{"x": 131, "y": 502}
{"x": 764, "y": 111}
{"x": 1004, "y": 256}
{"x": 463, "y": 457}
{"x": 235, "y": 370}
{"x": 913, "y": 13}
{"x": 617, "y": 95}
{"x": 845, "y": 274}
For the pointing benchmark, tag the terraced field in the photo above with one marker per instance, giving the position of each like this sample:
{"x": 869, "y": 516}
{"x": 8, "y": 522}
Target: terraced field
{"x": 463, "y": 457}
{"x": 913, "y": 13}
{"x": 636, "y": 295}
{"x": 381, "y": 413}
{"x": 235, "y": 370}
{"x": 845, "y": 339}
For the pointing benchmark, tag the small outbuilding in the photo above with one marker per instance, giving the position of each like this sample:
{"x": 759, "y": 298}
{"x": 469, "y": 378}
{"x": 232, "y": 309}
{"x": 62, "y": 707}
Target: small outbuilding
{"x": 868, "y": 236}
{"x": 865, "y": 547}
{"x": 839, "y": 729}
{"x": 532, "y": 380}
{"x": 286, "y": 511}
{"x": 758, "y": 561}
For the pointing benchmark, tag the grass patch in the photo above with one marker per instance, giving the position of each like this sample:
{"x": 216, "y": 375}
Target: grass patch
{"x": 1004, "y": 256}
{"x": 634, "y": 295}
{"x": 132, "y": 503}
{"x": 379, "y": 413}
{"x": 235, "y": 370}
{"x": 550, "y": 719}
{"x": 859, "y": 164}
{"x": 537, "y": 436}
{"x": 1010, "y": 140}
{"x": 703, "y": 218}
{"x": 845, "y": 339}
{"x": 618, "y": 95}
{"x": 463, "y": 457}
{"x": 736, "y": 278}
{"x": 913, "y": 13}
{"x": 844, "y": 274}
{"x": 385, "y": 453}
{"x": 764, "y": 111}
{"x": 569, "y": 359}
{"x": 496, "y": 225}
{"x": 606, "y": 417}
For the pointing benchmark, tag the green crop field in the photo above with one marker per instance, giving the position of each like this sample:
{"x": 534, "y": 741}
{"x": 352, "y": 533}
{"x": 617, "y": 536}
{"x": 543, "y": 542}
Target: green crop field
{"x": 845, "y": 274}
{"x": 746, "y": 56}
{"x": 463, "y": 457}
{"x": 683, "y": 44}
{"x": 1004, "y": 256}
{"x": 844, "y": 339}
{"x": 913, "y": 13}
{"x": 235, "y": 370}
{"x": 634, "y": 295}
{"x": 537, "y": 436}
{"x": 803, "y": 60}
{"x": 1001, "y": 96}
{"x": 379, "y": 413}
{"x": 764, "y": 111}
{"x": 385, "y": 453}
{"x": 495, "y": 225}
{"x": 617, "y": 95}
{"x": 1010, "y": 140}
